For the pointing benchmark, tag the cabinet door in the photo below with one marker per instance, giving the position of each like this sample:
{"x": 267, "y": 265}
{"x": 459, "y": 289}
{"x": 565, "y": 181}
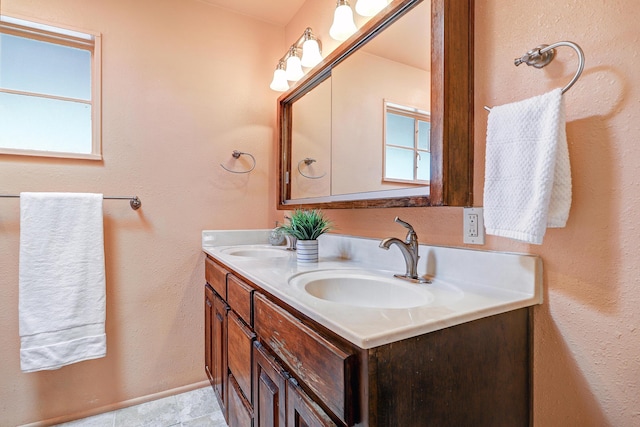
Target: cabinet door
{"x": 269, "y": 389}
{"x": 240, "y": 339}
{"x": 240, "y": 413}
{"x": 330, "y": 372}
{"x": 302, "y": 411}
{"x": 208, "y": 332}
{"x": 219, "y": 351}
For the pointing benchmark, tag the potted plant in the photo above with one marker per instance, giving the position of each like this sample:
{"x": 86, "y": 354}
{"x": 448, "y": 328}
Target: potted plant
{"x": 306, "y": 226}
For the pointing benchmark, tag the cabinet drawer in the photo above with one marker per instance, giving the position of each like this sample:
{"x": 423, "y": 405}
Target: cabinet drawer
{"x": 216, "y": 276}
{"x": 239, "y": 296}
{"x": 240, "y": 342}
{"x": 325, "y": 369}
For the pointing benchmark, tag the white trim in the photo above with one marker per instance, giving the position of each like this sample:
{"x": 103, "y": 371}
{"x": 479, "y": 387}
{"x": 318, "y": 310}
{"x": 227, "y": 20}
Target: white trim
{"x": 43, "y": 153}
{"x": 47, "y": 27}
{"x": 90, "y": 41}
{"x": 44, "y": 95}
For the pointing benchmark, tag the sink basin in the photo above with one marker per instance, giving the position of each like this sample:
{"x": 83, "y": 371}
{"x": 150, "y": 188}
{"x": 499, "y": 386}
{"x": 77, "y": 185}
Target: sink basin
{"x": 361, "y": 289}
{"x": 256, "y": 252}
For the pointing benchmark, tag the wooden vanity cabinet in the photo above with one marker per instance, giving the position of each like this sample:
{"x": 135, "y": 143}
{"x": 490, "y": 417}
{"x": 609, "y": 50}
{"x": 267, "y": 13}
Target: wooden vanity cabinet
{"x": 285, "y": 370}
{"x": 229, "y": 342}
{"x": 302, "y": 411}
{"x": 327, "y": 368}
{"x": 240, "y": 339}
{"x": 473, "y": 374}
{"x": 216, "y": 345}
{"x": 209, "y": 298}
{"x": 240, "y": 411}
{"x": 278, "y": 399}
{"x": 269, "y": 389}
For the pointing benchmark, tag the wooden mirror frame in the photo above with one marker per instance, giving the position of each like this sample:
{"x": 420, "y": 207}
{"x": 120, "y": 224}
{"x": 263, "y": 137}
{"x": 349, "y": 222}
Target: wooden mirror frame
{"x": 451, "y": 181}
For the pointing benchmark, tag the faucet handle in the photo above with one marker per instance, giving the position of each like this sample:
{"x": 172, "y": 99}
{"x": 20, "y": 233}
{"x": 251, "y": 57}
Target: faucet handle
{"x": 405, "y": 224}
{"x": 412, "y": 237}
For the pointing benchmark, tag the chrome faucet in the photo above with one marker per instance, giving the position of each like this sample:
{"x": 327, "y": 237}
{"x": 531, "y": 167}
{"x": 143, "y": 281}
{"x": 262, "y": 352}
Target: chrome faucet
{"x": 292, "y": 242}
{"x": 409, "y": 249}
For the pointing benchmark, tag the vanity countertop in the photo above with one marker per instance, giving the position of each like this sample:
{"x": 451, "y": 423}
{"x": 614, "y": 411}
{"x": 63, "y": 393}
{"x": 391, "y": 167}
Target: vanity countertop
{"x": 467, "y": 284}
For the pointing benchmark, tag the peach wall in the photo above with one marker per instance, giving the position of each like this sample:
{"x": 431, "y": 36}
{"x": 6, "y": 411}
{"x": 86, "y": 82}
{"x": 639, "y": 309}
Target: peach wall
{"x": 587, "y": 333}
{"x": 184, "y": 84}
{"x": 311, "y": 132}
{"x": 359, "y": 88}
{"x": 169, "y": 118}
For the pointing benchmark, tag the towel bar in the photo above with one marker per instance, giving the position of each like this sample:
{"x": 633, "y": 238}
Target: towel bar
{"x": 134, "y": 201}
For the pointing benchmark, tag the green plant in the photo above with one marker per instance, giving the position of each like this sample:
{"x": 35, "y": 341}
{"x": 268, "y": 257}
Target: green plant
{"x": 305, "y": 224}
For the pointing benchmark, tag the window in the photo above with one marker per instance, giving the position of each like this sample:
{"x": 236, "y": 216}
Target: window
{"x": 49, "y": 90}
{"x": 407, "y": 156}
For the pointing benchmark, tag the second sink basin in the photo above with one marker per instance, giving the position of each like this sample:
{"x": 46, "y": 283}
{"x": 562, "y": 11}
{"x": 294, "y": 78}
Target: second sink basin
{"x": 361, "y": 289}
{"x": 256, "y": 252}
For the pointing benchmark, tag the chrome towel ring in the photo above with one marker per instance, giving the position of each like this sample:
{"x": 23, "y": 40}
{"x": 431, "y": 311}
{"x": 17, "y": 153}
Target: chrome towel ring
{"x": 308, "y": 161}
{"x": 543, "y": 54}
{"x": 236, "y": 155}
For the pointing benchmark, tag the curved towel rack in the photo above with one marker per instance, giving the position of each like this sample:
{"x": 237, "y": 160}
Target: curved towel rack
{"x": 543, "y": 54}
{"x": 236, "y": 155}
{"x": 308, "y": 161}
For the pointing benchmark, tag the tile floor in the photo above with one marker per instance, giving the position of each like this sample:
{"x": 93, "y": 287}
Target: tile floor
{"x": 197, "y": 408}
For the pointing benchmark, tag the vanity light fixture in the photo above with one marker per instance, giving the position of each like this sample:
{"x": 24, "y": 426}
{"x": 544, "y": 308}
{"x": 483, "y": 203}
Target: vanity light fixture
{"x": 279, "y": 82}
{"x": 289, "y": 67}
{"x": 343, "y": 24}
{"x": 370, "y": 7}
{"x": 311, "y": 55}
{"x": 294, "y": 65}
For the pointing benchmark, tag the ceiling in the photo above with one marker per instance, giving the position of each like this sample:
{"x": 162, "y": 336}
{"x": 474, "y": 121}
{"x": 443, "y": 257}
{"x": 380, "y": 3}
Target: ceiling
{"x": 401, "y": 43}
{"x": 274, "y": 11}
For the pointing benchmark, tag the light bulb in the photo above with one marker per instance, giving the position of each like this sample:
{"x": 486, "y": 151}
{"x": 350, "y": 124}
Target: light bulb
{"x": 343, "y": 25}
{"x": 310, "y": 53}
{"x": 370, "y": 7}
{"x": 294, "y": 68}
{"x": 279, "y": 82}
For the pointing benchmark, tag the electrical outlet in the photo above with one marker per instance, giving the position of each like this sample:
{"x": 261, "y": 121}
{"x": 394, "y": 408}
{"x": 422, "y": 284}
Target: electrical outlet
{"x": 473, "y": 226}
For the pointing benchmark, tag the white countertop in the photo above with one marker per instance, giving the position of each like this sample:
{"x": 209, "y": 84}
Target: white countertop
{"x": 467, "y": 284}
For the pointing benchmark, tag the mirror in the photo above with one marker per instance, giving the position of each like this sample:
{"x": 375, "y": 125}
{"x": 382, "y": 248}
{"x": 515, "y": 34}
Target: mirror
{"x": 332, "y": 122}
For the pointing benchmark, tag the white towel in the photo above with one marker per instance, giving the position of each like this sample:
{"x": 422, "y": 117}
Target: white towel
{"x": 527, "y": 184}
{"x": 62, "y": 280}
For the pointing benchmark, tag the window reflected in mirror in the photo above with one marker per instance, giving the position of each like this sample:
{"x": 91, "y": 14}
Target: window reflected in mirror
{"x": 407, "y": 155}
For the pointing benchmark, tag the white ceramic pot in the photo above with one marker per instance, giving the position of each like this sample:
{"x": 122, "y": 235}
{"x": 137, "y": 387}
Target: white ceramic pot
{"x": 307, "y": 251}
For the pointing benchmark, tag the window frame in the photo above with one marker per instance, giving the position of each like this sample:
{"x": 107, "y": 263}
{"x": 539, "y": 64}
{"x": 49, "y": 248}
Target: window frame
{"x": 417, "y": 115}
{"x": 27, "y": 27}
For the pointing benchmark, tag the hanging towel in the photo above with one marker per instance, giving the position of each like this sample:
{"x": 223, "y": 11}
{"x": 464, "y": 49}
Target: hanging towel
{"x": 527, "y": 184}
{"x": 62, "y": 280}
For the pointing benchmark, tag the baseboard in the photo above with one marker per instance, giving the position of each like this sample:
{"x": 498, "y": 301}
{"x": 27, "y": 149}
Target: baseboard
{"x": 119, "y": 405}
